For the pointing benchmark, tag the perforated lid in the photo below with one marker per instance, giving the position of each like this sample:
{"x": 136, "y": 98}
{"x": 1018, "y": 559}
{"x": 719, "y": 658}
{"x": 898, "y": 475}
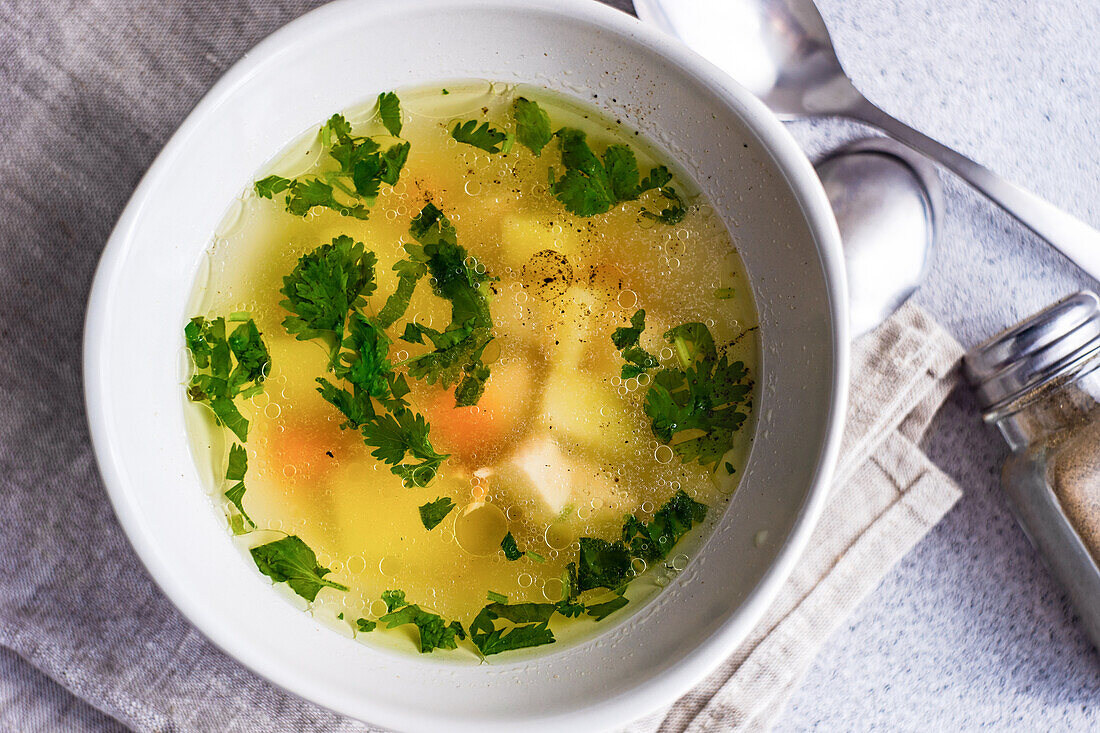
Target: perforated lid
{"x": 1041, "y": 348}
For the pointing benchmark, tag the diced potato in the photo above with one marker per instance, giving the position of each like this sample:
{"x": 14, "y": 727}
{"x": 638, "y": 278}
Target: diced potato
{"x": 587, "y": 413}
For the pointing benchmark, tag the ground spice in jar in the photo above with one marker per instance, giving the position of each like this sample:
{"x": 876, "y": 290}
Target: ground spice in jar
{"x": 1075, "y": 480}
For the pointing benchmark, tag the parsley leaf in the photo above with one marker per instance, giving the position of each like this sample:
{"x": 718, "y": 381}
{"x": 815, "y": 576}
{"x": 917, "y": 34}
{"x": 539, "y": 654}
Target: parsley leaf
{"x": 394, "y": 435}
{"x": 291, "y": 561}
{"x": 389, "y": 109}
{"x": 674, "y": 213}
{"x": 627, "y": 341}
{"x": 600, "y": 611}
{"x": 654, "y": 541}
{"x": 432, "y": 513}
{"x": 511, "y": 550}
{"x": 495, "y": 597}
{"x": 235, "y": 471}
{"x": 532, "y": 125}
{"x": 324, "y": 287}
{"x": 216, "y": 382}
{"x": 408, "y": 275}
{"x": 723, "y": 293}
{"x": 602, "y": 564}
{"x": 362, "y": 168}
{"x": 365, "y": 625}
{"x": 704, "y": 400}
{"x": 394, "y": 599}
{"x": 489, "y": 139}
{"x": 304, "y": 194}
{"x": 526, "y": 626}
{"x": 458, "y": 348}
{"x": 435, "y": 633}
{"x": 268, "y": 187}
{"x": 591, "y": 186}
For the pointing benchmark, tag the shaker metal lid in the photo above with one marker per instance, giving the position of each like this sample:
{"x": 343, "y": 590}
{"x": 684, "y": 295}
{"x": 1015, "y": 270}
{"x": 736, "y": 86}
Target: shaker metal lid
{"x": 1041, "y": 348}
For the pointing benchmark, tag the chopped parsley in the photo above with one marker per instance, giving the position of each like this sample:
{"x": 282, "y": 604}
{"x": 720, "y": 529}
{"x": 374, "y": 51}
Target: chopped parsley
{"x": 494, "y": 597}
{"x": 389, "y": 109}
{"x": 654, "y": 540}
{"x": 489, "y": 139}
{"x": 723, "y": 293}
{"x": 217, "y": 381}
{"x": 432, "y": 513}
{"x": 600, "y": 611}
{"x": 326, "y": 286}
{"x": 435, "y": 632}
{"x": 627, "y": 341}
{"x": 532, "y": 125}
{"x": 365, "y": 625}
{"x": 525, "y": 625}
{"x": 511, "y": 550}
{"x": 591, "y": 186}
{"x": 602, "y": 564}
{"x": 458, "y": 348}
{"x": 291, "y": 561}
{"x": 325, "y": 294}
{"x": 362, "y": 167}
{"x": 698, "y": 407}
{"x": 235, "y": 471}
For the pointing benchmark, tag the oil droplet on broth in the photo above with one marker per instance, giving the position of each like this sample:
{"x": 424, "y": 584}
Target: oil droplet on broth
{"x": 480, "y": 528}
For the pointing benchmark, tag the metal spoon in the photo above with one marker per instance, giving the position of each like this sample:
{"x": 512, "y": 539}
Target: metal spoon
{"x": 887, "y": 201}
{"x": 781, "y": 51}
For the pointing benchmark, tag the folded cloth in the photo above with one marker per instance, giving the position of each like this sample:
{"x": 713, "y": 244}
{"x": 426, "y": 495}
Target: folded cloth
{"x": 885, "y": 497}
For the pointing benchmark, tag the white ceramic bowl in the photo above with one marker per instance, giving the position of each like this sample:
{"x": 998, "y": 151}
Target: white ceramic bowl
{"x": 345, "y": 53}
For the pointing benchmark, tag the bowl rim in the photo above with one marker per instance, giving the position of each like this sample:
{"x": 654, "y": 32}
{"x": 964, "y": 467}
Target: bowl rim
{"x": 663, "y": 688}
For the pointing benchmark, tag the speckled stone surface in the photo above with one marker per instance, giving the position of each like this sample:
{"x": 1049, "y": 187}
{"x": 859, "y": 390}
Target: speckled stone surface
{"x": 969, "y": 631}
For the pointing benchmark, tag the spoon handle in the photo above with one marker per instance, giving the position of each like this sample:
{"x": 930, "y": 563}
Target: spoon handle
{"x": 1075, "y": 239}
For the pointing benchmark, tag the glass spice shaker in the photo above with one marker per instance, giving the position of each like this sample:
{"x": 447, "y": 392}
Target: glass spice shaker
{"x": 1039, "y": 383}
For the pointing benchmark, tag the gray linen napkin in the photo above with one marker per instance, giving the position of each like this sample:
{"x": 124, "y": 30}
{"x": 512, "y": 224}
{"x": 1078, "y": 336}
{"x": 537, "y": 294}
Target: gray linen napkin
{"x": 89, "y": 92}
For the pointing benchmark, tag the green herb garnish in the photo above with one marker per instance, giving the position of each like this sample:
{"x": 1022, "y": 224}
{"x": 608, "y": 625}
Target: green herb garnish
{"x": 627, "y": 341}
{"x": 600, "y": 611}
{"x": 389, "y": 109}
{"x": 494, "y": 597}
{"x": 602, "y": 564}
{"x": 217, "y": 381}
{"x": 511, "y": 550}
{"x": 432, "y": 513}
{"x": 324, "y": 288}
{"x": 697, "y": 408}
{"x": 532, "y": 125}
{"x": 365, "y": 625}
{"x": 654, "y": 540}
{"x": 526, "y": 625}
{"x": 435, "y": 633}
{"x": 592, "y": 186}
{"x": 362, "y": 168}
{"x": 235, "y": 472}
{"x": 458, "y": 348}
{"x": 489, "y": 139}
{"x": 704, "y": 399}
{"x": 291, "y": 561}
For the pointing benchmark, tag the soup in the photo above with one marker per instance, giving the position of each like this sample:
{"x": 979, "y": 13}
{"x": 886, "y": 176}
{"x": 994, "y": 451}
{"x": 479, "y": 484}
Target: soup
{"x": 471, "y": 368}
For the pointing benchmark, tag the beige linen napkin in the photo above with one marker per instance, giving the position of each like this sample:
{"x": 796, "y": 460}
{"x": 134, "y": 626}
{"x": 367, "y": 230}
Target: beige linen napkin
{"x": 886, "y": 496}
